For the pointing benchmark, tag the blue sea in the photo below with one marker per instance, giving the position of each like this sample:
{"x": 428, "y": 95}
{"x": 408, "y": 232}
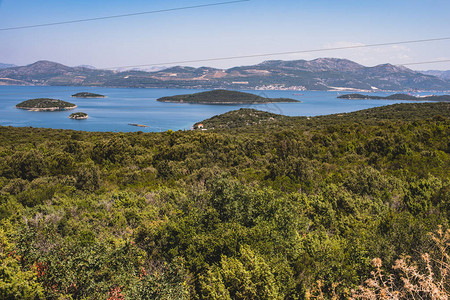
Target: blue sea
{"x": 139, "y": 106}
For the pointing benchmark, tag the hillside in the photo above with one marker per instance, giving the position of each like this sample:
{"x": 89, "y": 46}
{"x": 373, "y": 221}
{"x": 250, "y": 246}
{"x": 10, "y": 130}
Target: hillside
{"x": 284, "y": 202}
{"x": 252, "y": 119}
{"x": 223, "y": 97}
{"x": 396, "y": 97}
{"x": 318, "y": 74}
{"x": 239, "y": 119}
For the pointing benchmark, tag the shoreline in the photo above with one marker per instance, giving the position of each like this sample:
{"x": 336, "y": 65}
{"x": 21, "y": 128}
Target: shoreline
{"x": 88, "y": 97}
{"x": 47, "y": 108}
{"x": 229, "y": 103}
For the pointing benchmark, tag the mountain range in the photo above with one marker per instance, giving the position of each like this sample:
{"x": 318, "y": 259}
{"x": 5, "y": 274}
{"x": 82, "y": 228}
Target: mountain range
{"x": 318, "y": 74}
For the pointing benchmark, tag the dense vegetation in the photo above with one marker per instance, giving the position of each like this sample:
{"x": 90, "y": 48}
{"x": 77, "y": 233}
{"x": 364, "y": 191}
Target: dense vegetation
{"x": 78, "y": 116}
{"x": 240, "y": 118}
{"x": 257, "y": 212}
{"x": 223, "y": 97}
{"x": 87, "y": 95}
{"x": 397, "y": 97}
{"x": 44, "y": 103}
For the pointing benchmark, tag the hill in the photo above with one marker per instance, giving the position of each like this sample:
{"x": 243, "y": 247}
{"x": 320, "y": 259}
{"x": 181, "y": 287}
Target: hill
{"x": 246, "y": 118}
{"x": 239, "y": 118}
{"x": 223, "y": 97}
{"x": 51, "y": 73}
{"x": 318, "y": 74}
{"x": 45, "y": 104}
{"x": 396, "y": 97}
{"x": 274, "y": 209}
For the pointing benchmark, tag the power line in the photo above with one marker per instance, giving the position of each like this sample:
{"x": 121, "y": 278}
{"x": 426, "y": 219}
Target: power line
{"x": 124, "y": 15}
{"x": 46, "y": 92}
{"x": 283, "y": 53}
{"x": 425, "y": 62}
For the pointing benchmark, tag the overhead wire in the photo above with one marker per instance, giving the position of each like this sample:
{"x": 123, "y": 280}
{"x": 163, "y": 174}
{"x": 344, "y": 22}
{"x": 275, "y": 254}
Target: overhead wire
{"x": 425, "y": 62}
{"x": 76, "y": 90}
{"x": 123, "y": 15}
{"x": 281, "y": 53}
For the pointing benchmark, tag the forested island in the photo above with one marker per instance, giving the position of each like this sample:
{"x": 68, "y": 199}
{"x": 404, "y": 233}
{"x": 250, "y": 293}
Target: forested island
{"x": 223, "y": 97}
{"x": 396, "y": 97}
{"x": 78, "y": 116}
{"x": 88, "y": 95}
{"x": 275, "y": 208}
{"x": 45, "y": 104}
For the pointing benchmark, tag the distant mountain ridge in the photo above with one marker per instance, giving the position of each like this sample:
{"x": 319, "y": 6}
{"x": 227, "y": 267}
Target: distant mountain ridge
{"x": 4, "y": 66}
{"x": 317, "y": 74}
{"x": 441, "y": 74}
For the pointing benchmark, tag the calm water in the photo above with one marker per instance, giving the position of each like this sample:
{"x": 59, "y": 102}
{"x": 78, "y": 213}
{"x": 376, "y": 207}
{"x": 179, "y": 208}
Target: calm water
{"x": 124, "y": 106}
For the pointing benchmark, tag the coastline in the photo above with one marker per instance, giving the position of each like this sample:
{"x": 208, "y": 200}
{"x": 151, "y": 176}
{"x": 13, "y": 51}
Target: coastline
{"x": 47, "y": 108}
{"x": 89, "y": 97}
{"x": 228, "y": 103}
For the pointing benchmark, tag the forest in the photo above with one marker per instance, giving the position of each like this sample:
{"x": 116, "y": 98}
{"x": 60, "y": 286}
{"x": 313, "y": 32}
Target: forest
{"x": 287, "y": 208}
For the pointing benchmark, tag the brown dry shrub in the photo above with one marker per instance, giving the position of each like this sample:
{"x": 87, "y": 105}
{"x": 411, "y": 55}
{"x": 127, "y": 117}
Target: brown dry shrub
{"x": 426, "y": 279}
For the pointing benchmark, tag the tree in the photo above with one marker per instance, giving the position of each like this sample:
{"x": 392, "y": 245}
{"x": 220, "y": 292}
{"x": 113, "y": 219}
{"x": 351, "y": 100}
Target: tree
{"x": 245, "y": 277}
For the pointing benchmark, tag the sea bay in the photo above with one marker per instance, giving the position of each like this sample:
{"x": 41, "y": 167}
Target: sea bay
{"x": 139, "y": 106}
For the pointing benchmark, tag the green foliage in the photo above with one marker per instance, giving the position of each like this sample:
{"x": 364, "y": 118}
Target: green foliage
{"x": 163, "y": 282}
{"x": 15, "y": 282}
{"x": 246, "y": 277}
{"x": 261, "y": 211}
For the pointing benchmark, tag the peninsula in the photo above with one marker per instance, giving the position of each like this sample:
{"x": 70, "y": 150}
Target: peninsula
{"x": 45, "y": 104}
{"x": 223, "y": 97}
{"x": 78, "y": 116}
{"x": 396, "y": 97}
{"x": 88, "y": 95}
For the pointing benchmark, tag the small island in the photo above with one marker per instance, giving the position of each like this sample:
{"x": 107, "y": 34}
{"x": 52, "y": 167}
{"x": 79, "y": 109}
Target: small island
{"x": 45, "y": 104}
{"x": 87, "y": 95}
{"x": 137, "y": 125}
{"x": 223, "y": 97}
{"x": 396, "y": 97}
{"x": 78, "y": 116}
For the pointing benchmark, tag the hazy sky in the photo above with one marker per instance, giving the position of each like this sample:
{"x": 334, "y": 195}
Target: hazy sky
{"x": 257, "y": 26}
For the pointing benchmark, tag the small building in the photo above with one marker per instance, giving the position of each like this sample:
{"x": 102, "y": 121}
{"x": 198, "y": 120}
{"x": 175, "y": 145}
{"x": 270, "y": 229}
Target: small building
{"x": 200, "y": 126}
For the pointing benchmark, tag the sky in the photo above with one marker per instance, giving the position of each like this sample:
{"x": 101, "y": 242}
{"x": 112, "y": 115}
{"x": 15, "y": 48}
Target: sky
{"x": 245, "y": 28}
